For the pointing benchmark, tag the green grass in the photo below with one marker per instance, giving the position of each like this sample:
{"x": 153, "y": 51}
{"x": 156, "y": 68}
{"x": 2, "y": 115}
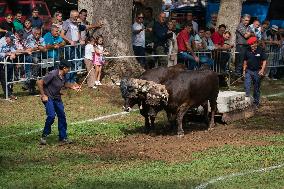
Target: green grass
{"x": 25, "y": 164}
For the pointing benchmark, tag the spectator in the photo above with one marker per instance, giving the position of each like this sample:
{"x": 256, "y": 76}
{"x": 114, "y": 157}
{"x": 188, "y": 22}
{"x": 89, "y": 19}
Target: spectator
{"x": 7, "y": 50}
{"x": 254, "y": 28}
{"x": 202, "y": 43}
{"x": 87, "y": 25}
{"x": 27, "y": 28}
{"x": 53, "y": 42}
{"x": 212, "y": 24}
{"x": 149, "y": 38}
{"x": 272, "y": 44}
{"x": 161, "y": 36}
{"x": 88, "y": 60}
{"x": 227, "y": 45}
{"x": 18, "y": 21}
{"x": 189, "y": 18}
{"x": 253, "y": 68}
{"x": 263, "y": 29}
{"x": 98, "y": 59}
{"x": 218, "y": 38}
{"x": 35, "y": 19}
{"x": 198, "y": 42}
{"x": 242, "y": 34}
{"x": 57, "y": 20}
{"x": 185, "y": 52}
{"x": 7, "y": 25}
{"x": 173, "y": 48}
{"x": 209, "y": 45}
{"x": 46, "y": 27}
{"x": 138, "y": 39}
{"x": 35, "y": 43}
{"x": 71, "y": 34}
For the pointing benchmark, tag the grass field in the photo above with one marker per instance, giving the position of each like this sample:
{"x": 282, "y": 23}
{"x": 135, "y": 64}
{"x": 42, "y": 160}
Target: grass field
{"x": 115, "y": 153}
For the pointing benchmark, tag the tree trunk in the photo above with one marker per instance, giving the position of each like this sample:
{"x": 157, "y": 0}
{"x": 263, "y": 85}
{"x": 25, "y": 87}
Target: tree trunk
{"x": 116, "y": 16}
{"x": 230, "y": 14}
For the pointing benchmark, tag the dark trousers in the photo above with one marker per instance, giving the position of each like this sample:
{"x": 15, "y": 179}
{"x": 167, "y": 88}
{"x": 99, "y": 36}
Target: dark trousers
{"x": 253, "y": 76}
{"x": 140, "y": 51}
{"x": 10, "y": 68}
{"x": 240, "y": 56}
{"x": 53, "y": 107}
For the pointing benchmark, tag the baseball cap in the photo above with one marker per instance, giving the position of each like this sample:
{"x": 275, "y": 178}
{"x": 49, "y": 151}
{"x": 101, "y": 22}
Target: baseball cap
{"x": 65, "y": 63}
{"x": 251, "y": 40}
{"x": 10, "y": 35}
{"x": 274, "y": 27}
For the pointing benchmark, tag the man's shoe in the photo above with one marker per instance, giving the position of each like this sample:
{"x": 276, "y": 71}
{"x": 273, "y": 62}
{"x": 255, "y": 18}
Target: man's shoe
{"x": 66, "y": 141}
{"x": 42, "y": 141}
{"x": 12, "y": 97}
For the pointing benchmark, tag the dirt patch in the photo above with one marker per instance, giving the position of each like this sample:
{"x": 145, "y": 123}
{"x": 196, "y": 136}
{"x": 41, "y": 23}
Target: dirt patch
{"x": 168, "y": 147}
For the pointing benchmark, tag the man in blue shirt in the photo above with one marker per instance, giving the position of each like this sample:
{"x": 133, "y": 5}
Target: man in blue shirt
{"x": 253, "y": 68}
{"x": 53, "y": 42}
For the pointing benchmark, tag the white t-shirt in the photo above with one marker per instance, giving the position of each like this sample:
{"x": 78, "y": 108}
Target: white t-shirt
{"x": 89, "y": 50}
{"x": 138, "y": 39}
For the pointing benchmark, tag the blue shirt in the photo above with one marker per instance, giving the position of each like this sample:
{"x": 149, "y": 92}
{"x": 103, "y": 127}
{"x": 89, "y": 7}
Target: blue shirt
{"x": 51, "y": 40}
{"x": 36, "y": 22}
{"x": 5, "y": 48}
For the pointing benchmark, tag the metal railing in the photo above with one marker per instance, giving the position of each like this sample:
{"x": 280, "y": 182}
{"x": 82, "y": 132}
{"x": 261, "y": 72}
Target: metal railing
{"x": 21, "y": 69}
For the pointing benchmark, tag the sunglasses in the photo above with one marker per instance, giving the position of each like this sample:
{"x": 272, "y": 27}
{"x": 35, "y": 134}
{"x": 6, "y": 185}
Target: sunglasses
{"x": 140, "y": 17}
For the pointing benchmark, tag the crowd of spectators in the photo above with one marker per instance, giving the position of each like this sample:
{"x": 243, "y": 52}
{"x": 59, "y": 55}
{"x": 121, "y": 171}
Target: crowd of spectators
{"x": 26, "y": 41}
{"x": 186, "y": 41}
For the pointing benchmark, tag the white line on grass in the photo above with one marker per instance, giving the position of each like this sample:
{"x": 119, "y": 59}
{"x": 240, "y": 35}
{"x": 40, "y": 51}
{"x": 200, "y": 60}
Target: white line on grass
{"x": 274, "y": 95}
{"x": 74, "y": 123}
{"x": 212, "y": 181}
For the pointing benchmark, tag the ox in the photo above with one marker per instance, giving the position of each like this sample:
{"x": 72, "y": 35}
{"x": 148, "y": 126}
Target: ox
{"x": 132, "y": 97}
{"x": 189, "y": 89}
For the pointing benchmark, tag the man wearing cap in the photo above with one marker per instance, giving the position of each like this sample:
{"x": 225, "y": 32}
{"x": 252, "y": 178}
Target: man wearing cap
{"x": 253, "y": 68}
{"x": 50, "y": 87}
{"x": 7, "y": 50}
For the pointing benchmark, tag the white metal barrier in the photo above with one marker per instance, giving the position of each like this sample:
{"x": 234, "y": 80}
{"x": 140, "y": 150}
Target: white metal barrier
{"x": 20, "y": 70}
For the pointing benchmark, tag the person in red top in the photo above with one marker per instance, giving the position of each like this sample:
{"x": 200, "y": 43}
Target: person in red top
{"x": 185, "y": 52}
{"x": 217, "y": 37}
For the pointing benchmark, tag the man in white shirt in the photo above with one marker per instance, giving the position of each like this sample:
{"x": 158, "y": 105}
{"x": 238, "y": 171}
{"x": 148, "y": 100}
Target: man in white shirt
{"x": 138, "y": 39}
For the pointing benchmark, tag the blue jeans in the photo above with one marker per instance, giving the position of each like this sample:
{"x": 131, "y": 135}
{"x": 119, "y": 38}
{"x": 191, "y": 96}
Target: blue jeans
{"x": 53, "y": 107}
{"x": 253, "y": 76}
{"x": 187, "y": 59}
{"x": 204, "y": 59}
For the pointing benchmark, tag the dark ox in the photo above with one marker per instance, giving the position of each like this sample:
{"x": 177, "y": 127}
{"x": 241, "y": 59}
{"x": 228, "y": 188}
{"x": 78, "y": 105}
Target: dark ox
{"x": 158, "y": 75}
{"x": 187, "y": 90}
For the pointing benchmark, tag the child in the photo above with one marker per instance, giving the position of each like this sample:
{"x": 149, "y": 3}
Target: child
{"x": 98, "y": 59}
{"x": 88, "y": 60}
